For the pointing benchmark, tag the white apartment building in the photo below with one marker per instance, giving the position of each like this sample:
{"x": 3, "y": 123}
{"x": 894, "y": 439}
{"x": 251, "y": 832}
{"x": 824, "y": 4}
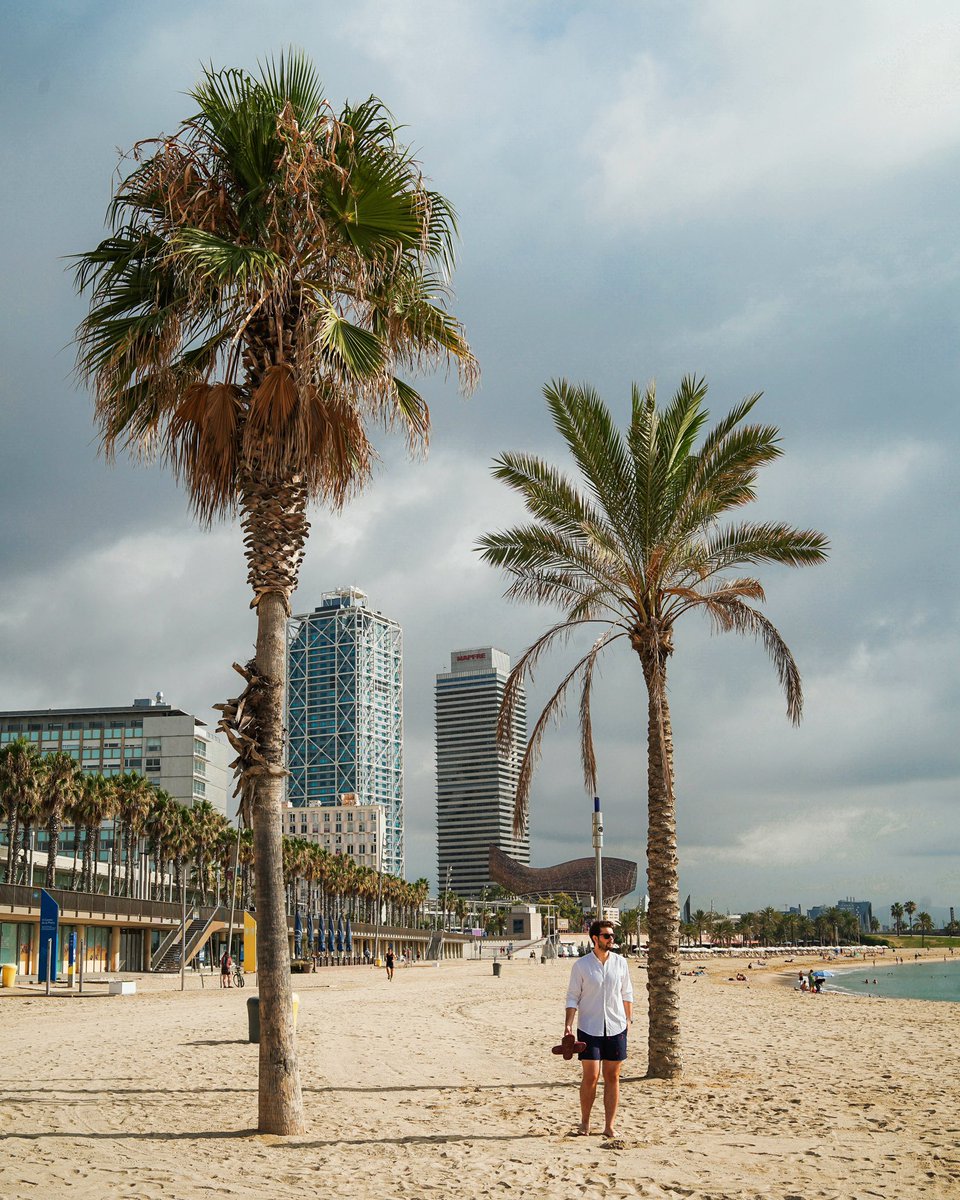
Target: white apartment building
{"x": 347, "y": 827}
{"x": 174, "y": 749}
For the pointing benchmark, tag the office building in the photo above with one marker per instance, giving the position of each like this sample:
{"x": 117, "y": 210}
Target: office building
{"x": 174, "y": 749}
{"x": 348, "y": 828}
{"x": 862, "y": 909}
{"x": 476, "y": 780}
{"x": 345, "y": 712}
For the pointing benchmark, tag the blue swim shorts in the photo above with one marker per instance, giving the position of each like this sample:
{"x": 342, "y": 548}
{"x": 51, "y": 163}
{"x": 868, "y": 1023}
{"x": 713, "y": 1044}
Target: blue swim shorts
{"x": 607, "y": 1048}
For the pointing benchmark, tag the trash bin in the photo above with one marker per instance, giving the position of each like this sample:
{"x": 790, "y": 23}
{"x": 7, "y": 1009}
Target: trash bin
{"x": 8, "y": 975}
{"x": 253, "y": 1016}
{"x": 253, "y": 1019}
{"x": 496, "y": 968}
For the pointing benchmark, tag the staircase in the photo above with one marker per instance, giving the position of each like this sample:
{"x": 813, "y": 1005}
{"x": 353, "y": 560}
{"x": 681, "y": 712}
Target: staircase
{"x": 167, "y": 957}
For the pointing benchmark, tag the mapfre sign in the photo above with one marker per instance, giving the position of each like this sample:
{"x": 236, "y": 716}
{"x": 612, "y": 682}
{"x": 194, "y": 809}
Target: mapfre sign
{"x": 480, "y": 656}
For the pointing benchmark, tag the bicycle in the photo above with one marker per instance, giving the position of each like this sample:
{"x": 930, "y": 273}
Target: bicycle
{"x": 238, "y": 976}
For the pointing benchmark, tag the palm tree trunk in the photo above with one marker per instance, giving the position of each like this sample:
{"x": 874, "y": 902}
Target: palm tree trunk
{"x": 54, "y": 825}
{"x": 76, "y": 854}
{"x": 25, "y": 852}
{"x": 663, "y": 883}
{"x": 11, "y": 841}
{"x": 280, "y": 1099}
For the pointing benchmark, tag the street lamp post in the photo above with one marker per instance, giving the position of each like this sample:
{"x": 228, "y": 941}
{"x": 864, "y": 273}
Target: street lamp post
{"x": 597, "y": 847}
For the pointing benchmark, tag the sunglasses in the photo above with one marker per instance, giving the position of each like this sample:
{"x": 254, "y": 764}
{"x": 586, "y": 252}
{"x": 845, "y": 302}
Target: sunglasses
{"x": 607, "y": 937}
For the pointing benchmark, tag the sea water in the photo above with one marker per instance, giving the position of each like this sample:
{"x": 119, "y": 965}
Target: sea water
{"x": 930, "y": 979}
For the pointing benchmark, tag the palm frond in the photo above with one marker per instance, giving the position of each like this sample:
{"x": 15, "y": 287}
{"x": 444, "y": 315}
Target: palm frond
{"x": 773, "y": 541}
{"x": 733, "y": 615}
{"x": 598, "y": 448}
{"x": 224, "y": 263}
{"x": 553, "y": 710}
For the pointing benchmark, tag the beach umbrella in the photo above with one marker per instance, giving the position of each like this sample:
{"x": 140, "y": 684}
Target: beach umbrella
{"x": 320, "y": 932}
{"x": 330, "y": 945}
{"x": 310, "y": 933}
{"x": 340, "y": 934}
{"x": 824, "y": 974}
{"x": 297, "y": 935}
{"x": 348, "y": 938}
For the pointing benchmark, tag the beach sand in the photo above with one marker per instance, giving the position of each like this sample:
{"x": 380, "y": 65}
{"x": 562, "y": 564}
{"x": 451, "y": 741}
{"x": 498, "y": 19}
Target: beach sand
{"x": 442, "y": 1084}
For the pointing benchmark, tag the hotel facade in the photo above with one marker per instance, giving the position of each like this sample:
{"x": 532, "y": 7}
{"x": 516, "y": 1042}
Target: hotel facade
{"x": 345, "y": 722}
{"x": 476, "y": 779}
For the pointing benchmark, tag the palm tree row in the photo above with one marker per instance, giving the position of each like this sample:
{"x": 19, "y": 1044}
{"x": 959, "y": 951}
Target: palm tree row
{"x": 53, "y": 793}
{"x": 334, "y": 885}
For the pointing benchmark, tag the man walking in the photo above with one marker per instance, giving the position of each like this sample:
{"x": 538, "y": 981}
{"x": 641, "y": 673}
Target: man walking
{"x": 601, "y": 992}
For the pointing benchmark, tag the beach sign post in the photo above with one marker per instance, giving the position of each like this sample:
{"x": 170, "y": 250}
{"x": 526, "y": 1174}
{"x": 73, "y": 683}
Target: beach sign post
{"x": 72, "y": 958}
{"x": 597, "y": 847}
{"x": 49, "y": 927}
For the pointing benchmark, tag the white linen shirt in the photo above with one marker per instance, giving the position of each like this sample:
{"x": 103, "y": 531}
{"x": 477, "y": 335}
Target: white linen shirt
{"x": 597, "y": 990}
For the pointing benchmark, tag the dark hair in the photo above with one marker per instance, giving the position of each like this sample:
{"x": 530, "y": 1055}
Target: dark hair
{"x": 596, "y": 926}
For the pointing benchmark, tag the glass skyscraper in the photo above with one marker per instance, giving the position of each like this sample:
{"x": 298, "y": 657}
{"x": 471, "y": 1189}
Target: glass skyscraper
{"x": 345, "y": 712}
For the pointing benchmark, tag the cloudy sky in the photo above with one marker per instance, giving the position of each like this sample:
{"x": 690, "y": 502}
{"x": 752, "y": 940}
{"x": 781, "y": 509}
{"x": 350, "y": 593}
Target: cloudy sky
{"x": 761, "y": 193}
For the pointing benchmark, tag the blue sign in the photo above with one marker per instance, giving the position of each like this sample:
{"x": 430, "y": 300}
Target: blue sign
{"x": 49, "y": 928}
{"x": 72, "y": 949}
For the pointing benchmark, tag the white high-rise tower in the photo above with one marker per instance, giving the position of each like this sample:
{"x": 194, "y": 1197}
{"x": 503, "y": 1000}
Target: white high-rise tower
{"x": 476, "y": 781}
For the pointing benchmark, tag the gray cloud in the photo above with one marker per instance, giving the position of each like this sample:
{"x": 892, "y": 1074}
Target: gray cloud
{"x": 641, "y": 193}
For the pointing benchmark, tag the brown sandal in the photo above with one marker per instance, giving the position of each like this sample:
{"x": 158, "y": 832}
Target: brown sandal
{"x": 569, "y": 1046}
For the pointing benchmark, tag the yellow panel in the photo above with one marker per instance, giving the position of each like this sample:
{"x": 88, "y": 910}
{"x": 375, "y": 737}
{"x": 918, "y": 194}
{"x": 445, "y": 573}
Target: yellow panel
{"x": 249, "y": 944}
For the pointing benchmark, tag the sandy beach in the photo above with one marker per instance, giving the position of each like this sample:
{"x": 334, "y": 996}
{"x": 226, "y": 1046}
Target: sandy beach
{"x": 442, "y": 1083}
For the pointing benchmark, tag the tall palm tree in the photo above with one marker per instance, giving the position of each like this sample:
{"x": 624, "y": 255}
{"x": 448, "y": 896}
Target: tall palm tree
{"x": 628, "y": 557}
{"x": 925, "y": 925}
{"x": 94, "y": 805}
{"x": 272, "y": 271}
{"x": 896, "y": 911}
{"x": 158, "y": 827}
{"x": 134, "y": 798}
{"x": 910, "y": 907}
{"x": 21, "y": 775}
{"x": 61, "y": 788}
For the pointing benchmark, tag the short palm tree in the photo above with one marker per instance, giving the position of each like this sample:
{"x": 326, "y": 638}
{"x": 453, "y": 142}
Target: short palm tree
{"x": 628, "y": 556}
{"x": 273, "y": 271}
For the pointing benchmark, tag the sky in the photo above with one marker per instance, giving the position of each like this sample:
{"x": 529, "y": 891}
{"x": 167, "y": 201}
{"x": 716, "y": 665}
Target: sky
{"x": 757, "y": 192}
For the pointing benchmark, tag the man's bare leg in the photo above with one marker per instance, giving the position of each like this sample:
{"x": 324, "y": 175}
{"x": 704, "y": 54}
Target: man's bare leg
{"x": 588, "y": 1091}
{"x": 611, "y": 1096}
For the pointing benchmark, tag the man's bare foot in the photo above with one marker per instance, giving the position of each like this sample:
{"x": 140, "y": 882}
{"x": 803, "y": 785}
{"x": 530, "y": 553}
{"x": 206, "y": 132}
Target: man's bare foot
{"x": 580, "y": 1131}
{"x": 609, "y": 1133}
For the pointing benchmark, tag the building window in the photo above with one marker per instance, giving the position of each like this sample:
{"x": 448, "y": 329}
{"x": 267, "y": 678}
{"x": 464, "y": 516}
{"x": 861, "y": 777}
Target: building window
{"x": 199, "y": 787}
{"x": 153, "y": 764}
{"x": 200, "y": 747}
{"x": 199, "y": 766}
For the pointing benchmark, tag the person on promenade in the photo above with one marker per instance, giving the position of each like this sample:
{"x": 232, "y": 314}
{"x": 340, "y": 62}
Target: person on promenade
{"x": 601, "y": 993}
{"x": 226, "y": 962}
{"x": 389, "y": 961}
